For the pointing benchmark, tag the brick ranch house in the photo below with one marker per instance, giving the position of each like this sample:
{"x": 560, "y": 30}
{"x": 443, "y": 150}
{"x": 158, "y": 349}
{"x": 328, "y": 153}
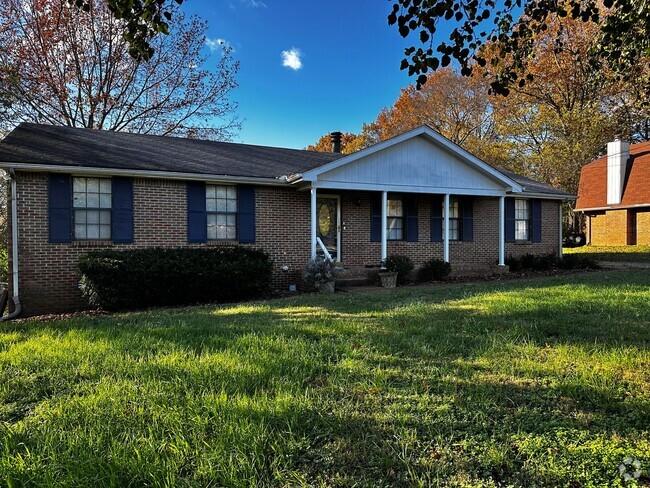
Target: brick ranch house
{"x": 614, "y": 194}
{"x": 78, "y": 190}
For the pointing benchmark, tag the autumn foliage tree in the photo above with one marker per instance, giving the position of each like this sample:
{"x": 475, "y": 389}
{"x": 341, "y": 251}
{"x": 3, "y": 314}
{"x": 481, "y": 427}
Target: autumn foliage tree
{"x": 66, "y": 66}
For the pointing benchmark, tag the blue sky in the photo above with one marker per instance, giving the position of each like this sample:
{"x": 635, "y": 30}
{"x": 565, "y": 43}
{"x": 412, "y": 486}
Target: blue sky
{"x": 349, "y": 69}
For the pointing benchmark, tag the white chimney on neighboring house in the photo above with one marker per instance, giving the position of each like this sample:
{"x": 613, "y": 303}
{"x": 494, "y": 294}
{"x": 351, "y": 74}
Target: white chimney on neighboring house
{"x": 618, "y": 152}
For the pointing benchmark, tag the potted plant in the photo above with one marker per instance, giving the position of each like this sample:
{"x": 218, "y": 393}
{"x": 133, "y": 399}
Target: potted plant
{"x": 395, "y": 270}
{"x": 387, "y": 278}
{"x": 320, "y": 274}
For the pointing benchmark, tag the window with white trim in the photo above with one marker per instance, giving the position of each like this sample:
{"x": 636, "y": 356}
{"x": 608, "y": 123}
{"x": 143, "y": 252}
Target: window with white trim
{"x": 221, "y": 209}
{"x": 454, "y": 219}
{"x": 522, "y": 220}
{"x": 91, "y": 203}
{"x": 395, "y": 219}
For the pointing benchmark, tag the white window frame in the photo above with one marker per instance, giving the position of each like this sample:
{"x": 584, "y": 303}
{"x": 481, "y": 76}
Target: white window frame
{"x": 522, "y": 220}
{"x": 92, "y": 207}
{"x": 219, "y": 206}
{"x": 455, "y": 233}
{"x": 394, "y": 232}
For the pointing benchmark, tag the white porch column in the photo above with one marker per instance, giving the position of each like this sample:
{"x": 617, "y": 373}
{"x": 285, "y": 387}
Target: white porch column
{"x": 313, "y": 223}
{"x": 446, "y": 235}
{"x": 560, "y": 251}
{"x": 502, "y": 231}
{"x": 384, "y": 225}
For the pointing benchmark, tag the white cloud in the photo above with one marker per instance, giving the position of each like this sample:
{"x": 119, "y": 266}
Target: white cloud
{"x": 291, "y": 59}
{"x": 216, "y": 44}
{"x": 254, "y": 3}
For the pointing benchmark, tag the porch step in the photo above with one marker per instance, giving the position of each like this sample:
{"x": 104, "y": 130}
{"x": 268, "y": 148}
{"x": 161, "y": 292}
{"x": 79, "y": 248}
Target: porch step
{"x": 354, "y": 276}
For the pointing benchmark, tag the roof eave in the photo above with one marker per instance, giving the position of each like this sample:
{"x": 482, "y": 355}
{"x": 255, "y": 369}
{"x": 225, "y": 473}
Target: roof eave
{"x": 166, "y": 175}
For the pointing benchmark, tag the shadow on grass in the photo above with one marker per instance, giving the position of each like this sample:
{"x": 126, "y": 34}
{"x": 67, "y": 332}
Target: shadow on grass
{"x": 387, "y": 389}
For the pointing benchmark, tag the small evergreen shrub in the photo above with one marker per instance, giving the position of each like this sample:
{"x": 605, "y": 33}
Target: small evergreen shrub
{"x": 434, "y": 269}
{"x": 140, "y": 278}
{"x": 575, "y": 261}
{"x": 401, "y": 264}
{"x": 545, "y": 262}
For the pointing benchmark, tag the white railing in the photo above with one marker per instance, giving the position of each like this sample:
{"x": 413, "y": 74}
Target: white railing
{"x": 325, "y": 251}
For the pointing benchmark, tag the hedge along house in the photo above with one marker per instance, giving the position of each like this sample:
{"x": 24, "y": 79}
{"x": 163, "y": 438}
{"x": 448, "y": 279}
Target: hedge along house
{"x": 614, "y": 195}
{"x": 78, "y": 190}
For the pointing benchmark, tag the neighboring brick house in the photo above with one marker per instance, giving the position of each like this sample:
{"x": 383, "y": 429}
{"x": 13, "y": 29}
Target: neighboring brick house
{"x": 78, "y": 190}
{"x": 614, "y": 194}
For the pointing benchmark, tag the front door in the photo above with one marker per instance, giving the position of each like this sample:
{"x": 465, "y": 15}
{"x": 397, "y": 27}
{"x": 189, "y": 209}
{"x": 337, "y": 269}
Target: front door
{"x": 327, "y": 225}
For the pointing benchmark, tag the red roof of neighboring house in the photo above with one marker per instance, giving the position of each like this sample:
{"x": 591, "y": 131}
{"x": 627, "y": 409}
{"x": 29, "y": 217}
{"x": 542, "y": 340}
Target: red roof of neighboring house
{"x": 592, "y": 191}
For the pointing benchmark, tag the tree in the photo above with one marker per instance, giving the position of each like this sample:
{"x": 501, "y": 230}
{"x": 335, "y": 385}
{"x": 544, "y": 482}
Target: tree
{"x": 73, "y": 68}
{"x": 624, "y": 28}
{"x": 142, "y": 21}
{"x": 324, "y": 144}
{"x": 457, "y": 107}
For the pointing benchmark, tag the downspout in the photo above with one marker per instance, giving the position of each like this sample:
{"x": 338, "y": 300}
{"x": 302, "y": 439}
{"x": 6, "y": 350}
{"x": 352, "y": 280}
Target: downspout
{"x": 14, "y": 249}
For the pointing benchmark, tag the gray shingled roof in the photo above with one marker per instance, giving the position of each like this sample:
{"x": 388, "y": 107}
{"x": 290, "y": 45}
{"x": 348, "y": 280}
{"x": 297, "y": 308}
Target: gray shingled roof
{"x": 67, "y": 146}
{"x": 533, "y": 186}
{"x": 88, "y": 148}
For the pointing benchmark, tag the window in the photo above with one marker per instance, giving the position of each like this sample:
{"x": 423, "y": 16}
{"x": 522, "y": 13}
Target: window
{"x": 395, "y": 219}
{"x": 522, "y": 220}
{"x": 91, "y": 202}
{"x": 221, "y": 208}
{"x": 454, "y": 219}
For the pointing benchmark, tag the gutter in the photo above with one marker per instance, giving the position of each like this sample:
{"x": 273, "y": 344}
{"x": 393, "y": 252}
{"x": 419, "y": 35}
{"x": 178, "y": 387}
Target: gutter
{"x": 547, "y": 196}
{"x": 626, "y": 207}
{"x": 14, "y": 250}
{"x": 165, "y": 175}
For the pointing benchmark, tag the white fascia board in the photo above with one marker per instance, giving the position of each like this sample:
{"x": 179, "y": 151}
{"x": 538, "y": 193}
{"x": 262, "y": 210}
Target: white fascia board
{"x": 545, "y": 196}
{"x": 625, "y": 207}
{"x": 163, "y": 175}
{"x": 312, "y": 175}
{"x": 330, "y": 185}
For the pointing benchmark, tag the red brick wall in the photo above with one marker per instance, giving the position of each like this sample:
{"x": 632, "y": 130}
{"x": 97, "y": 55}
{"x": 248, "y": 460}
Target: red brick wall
{"x": 48, "y": 278}
{"x": 49, "y": 282}
{"x": 608, "y": 229}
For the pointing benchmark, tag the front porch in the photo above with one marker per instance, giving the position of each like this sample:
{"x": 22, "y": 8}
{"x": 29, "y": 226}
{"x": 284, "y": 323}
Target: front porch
{"x": 361, "y": 228}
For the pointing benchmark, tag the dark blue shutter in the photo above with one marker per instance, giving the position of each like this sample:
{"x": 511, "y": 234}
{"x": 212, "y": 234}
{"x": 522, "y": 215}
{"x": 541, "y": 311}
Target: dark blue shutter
{"x": 122, "y": 189}
{"x": 436, "y": 218}
{"x": 467, "y": 209}
{"x": 375, "y": 218}
{"x": 411, "y": 204}
{"x": 537, "y": 220}
{"x": 197, "y": 224}
{"x": 246, "y": 214}
{"x": 510, "y": 219}
{"x": 60, "y": 208}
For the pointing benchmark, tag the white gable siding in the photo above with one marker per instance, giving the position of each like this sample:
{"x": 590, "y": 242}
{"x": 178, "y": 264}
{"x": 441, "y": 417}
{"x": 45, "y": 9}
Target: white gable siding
{"x": 413, "y": 163}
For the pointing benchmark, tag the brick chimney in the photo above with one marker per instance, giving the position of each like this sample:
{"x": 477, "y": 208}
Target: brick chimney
{"x": 335, "y": 137}
{"x": 618, "y": 152}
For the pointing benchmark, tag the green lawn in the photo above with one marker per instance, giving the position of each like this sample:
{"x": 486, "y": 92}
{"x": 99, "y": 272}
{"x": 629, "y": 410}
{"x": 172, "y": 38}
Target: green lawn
{"x": 625, "y": 254}
{"x": 524, "y": 383}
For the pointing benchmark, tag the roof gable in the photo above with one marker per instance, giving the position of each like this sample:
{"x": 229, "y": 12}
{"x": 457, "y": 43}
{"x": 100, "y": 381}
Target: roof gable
{"x": 421, "y": 158}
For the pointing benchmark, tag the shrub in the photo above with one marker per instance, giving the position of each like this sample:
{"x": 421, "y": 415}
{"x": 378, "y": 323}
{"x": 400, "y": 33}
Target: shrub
{"x": 401, "y": 264}
{"x": 318, "y": 271}
{"x": 118, "y": 280}
{"x": 434, "y": 269}
{"x": 575, "y": 261}
{"x": 4, "y": 266}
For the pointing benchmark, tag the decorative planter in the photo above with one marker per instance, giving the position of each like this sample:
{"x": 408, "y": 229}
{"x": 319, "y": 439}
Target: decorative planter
{"x": 326, "y": 287}
{"x": 388, "y": 279}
